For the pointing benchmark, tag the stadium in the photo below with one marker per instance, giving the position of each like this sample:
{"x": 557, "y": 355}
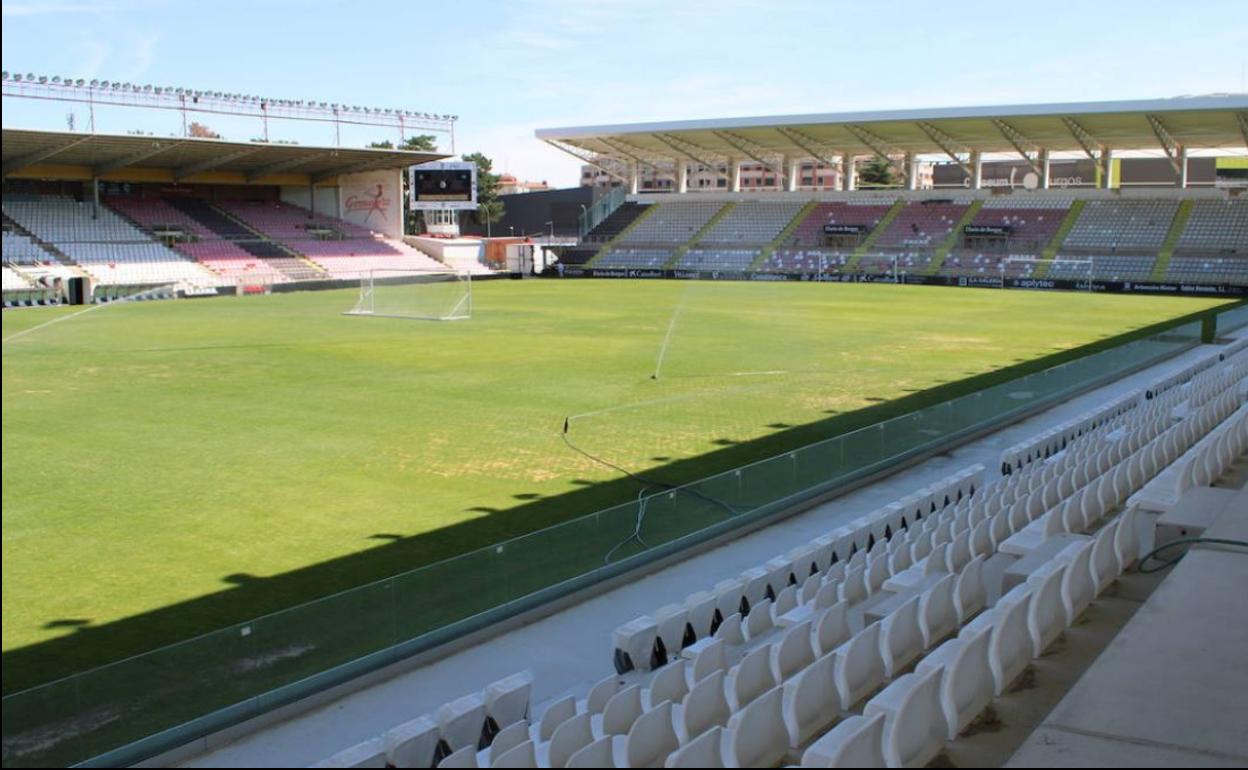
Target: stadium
{"x": 912, "y": 438}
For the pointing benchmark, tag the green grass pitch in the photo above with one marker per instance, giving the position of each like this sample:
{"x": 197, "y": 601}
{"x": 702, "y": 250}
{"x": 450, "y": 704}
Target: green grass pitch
{"x": 225, "y": 458}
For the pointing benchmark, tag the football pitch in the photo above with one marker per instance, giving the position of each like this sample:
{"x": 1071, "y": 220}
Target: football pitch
{"x": 173, "y": 467}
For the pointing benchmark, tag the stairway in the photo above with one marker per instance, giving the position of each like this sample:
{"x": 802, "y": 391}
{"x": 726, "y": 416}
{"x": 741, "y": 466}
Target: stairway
{"x": 783, "y": 236}
{"x": 1162, "y": 265}
{"x": 874, "y": 235}
{"x": 647, "y": 211}
{"x": 1059, "y": 237}
{"x": 942, "y": 251}
{"x": 683, "y": 248}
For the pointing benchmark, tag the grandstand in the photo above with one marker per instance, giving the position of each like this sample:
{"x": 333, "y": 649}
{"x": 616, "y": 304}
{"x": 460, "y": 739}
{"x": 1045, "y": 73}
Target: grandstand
{"x": 197, "y": 213}
{"x": 896, "y": 592}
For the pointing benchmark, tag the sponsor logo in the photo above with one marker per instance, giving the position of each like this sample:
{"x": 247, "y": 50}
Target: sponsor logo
{"x": 373, "y": 200}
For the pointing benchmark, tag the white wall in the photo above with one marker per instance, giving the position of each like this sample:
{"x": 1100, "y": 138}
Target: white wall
{"x": 373, "y": 199}
{"x": 326, "y": 198}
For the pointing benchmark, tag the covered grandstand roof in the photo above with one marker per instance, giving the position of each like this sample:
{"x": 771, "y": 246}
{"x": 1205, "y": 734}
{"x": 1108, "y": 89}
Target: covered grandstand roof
{"x": 36, "y": 153}
{"x": 1198, "y": 122}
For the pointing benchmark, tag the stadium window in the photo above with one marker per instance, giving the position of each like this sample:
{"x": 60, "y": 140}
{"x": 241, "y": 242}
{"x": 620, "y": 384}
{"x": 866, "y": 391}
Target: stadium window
{"x": 721, "y": 182}
{"x": 769, "y": 181}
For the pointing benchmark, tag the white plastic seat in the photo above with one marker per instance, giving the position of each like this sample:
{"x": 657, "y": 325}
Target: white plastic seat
{"x": 785, "y": 601}
{"x": 709, "y": 660}
{"x": 1104, "y": 563}
{"x": 672, "y": 621}
{"x": 522, "y": 755}
{"x": 914, "y": 722}
{"x": 634, "y": 644}
{"x": 831, "y": 628}
{"x": 599, "y": 694}
{"x": 461, "y": 721}
{"x": 507, "y": 739}
{"x": 853, "y": 588}
{"x": 969, "y": 595}
{"x": 728, "y": 595}
{"x": 730, "y": 631}
{"x": 670, "y": 684}
{"x": 792, "y": 653}
{"x": 1078, "y": 588}
{"x": 413, "y": 743}
{"x": 859, "y": 666}
{"x": 958, "y": 555}
{"x": 650, "y": 741}
{"x": 703, "y": 708}
{"x": 750, "y": 678}
{"x": 1046, "y": 618}
{"x": 507, "y": 700}
{"x": 559, "y": 712}
{"x": 877, "y": 572}
{"x": 465, "y": 757}
{"x": 1010, "y": 648}
{"x": 758, "y": 622}
{"x": 828, "y": 593}
{"x": 901, "y": 639}
{"x": 938, "y": 617}
{"x": 703, "y": 751}
{"x": 856, "y": 742}
{"x": 621, "y": 712}
{"x": 701, "y": 609}
{"x": 967, "y": 687}
{"x": 1126, "y": 541}
{"x": 569, "y": 738}
{"x": 756, "y": 736}
{"x": 597, "y": 754}
{"x": 810, "y": 700}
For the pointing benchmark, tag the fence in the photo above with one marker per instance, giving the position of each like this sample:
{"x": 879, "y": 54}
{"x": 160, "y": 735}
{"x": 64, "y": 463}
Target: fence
{"x": 136, "y": 708}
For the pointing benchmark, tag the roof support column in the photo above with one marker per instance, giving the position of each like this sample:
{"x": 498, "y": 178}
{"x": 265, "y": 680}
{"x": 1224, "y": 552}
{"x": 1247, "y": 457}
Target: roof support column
{"x": 734, "y": 174}
{"x": 1045, "y": 169}
{"x": 1182, "y": 168}
{"x": 912, "y": 172}
{"x": 977, "y": 170}
{"x": 634, "y": 178}
{"x": 848, "y": 182}
{"x": 1107, "y": 168}
{"x": 95, "y": 197}
{"x": 682, "y": 176}
{"x": 792, "y": 169}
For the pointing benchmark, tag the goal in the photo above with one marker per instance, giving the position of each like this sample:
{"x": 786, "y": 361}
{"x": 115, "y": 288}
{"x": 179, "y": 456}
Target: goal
{"x": 253, "y": 282}
{"x": 418, "y": 294}
{"x": 1080, "y": 270}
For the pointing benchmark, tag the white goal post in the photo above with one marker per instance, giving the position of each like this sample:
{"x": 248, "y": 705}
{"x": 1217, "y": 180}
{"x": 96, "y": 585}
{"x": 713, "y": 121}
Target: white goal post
{"x": 418, "y": 294}
{"x": 1072, "y": 268}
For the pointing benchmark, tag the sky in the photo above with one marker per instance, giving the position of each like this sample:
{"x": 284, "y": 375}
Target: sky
{"x": 507, "y": 67}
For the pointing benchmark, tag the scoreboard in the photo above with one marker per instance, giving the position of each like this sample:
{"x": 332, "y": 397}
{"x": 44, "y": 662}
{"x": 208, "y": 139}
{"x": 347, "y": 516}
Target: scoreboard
{"x": 443, "y": 186}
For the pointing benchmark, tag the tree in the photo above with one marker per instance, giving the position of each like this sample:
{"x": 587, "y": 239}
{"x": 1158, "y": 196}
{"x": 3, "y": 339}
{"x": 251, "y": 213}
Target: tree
{"x": 877, "y": 172}
{"x": 489, "y": 207}
{"x": 421, "y": 143}
{"x": 200, "y": 131}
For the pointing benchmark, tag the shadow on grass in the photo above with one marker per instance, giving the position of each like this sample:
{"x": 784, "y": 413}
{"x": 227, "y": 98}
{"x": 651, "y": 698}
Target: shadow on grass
{"x": 91, "y": 645}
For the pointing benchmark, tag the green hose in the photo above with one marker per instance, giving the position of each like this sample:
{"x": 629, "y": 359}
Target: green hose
{"x": 1181, "y": 541}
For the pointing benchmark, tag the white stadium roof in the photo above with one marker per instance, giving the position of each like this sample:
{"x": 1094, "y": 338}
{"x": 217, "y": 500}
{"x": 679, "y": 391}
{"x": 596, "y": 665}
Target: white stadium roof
{"x": 1189, "y": 122}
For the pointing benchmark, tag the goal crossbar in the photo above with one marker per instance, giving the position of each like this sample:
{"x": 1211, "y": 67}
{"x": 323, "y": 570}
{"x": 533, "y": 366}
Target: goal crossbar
{"x": 415, "y": 294}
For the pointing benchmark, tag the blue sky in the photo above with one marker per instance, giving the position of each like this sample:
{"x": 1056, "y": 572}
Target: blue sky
{"x": 511, "y": 66}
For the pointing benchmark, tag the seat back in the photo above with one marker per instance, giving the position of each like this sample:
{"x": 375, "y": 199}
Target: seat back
{"x": 569, "y": 738}
{"x": 810, "y": 700}
{"x": 652, "y": 738}
{"x": 856, "y": 742}
{"x": 705, "y": 706}
{"x": 703, "y": 751}
{"x": 901, "y": 639}
{"x": 756, "y": 736}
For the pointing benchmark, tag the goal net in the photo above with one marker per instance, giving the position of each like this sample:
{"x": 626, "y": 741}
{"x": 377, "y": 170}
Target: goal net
{"x": 1077, "y": 269}
{"x": 426, "y": 295}
{"x": 253, "y": 282}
